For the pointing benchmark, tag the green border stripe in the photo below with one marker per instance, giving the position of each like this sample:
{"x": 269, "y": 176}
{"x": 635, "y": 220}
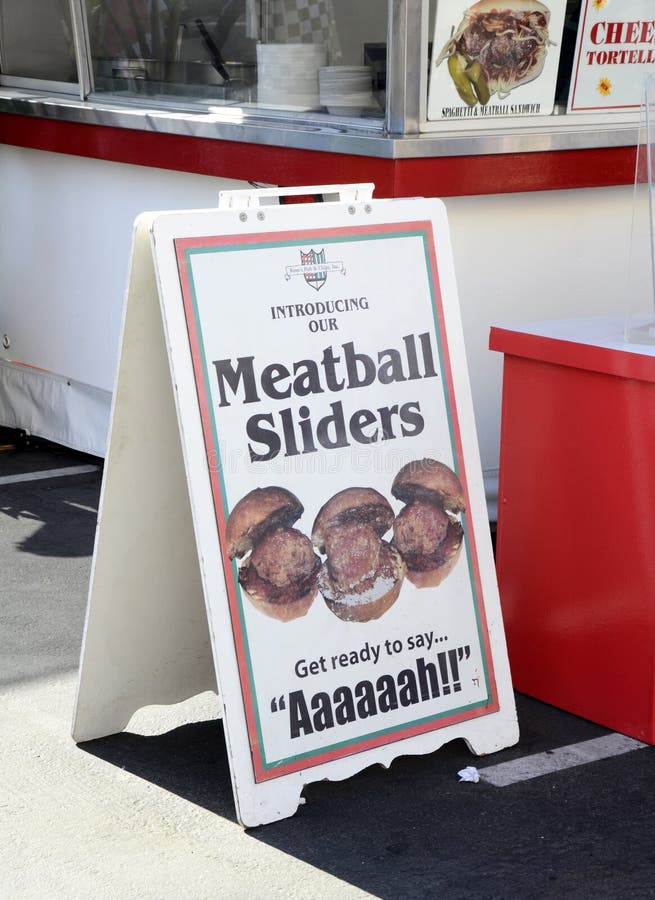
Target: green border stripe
{"x": 419, "y": 232}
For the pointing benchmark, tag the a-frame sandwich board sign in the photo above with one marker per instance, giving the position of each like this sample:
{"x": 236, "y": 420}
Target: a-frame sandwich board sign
{"x": 292, "y": 511}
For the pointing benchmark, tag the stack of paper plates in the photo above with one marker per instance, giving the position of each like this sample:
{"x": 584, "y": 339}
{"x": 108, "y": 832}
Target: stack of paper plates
{"x": 346, "y": 90}
{"x": 287, "y": 74}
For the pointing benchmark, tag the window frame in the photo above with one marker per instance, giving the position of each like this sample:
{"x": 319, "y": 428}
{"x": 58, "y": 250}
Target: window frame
{"x": 404, "y": 127}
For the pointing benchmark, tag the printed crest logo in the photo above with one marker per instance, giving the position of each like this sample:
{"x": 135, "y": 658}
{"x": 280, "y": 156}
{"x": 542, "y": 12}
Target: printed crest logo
{"x": 316, "y": 272}
{"x": 314, "y": 268}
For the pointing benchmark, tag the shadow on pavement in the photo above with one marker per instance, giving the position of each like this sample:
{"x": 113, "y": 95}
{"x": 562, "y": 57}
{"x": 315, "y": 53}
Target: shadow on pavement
{"x": 47, "y": 529}
{"x": 51, "y": 510}
{"x": 413, "y": 831}
{"x": 59, "y": 514}
{"x": 416, "y": 831}
{"x": 190, "y": 761}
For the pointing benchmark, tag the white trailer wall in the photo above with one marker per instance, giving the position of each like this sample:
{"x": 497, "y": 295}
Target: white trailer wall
{"x": 534, "y": 256}
{"x": 65, "y": 237}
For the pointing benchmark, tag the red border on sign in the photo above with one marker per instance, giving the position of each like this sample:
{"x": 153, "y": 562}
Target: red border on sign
{"x": 263, "y": 772}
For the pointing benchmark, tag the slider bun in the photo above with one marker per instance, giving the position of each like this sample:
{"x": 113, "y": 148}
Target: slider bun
{"x": 255, "y": 513}
{"x": 372, "y": 597}
{"x": 286, "y": 611}
{"x": 431, "y": 481}
{"x": 356, "y": 505}
{"x": 434, "y": 577}
{"x": 280, "y": 576}
{"x": 514, "y": 6}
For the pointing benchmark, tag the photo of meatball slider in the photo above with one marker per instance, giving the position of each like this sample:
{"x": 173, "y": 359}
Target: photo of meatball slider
{"x": 362, "y": 574}
{"x": 426, "y": 532}
{"x": 280, "y": 576}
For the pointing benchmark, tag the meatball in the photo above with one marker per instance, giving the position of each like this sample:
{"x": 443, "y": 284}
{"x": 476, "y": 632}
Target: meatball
{"x": 353, "y": 553}
{"x": 420, "y": 528}
{"x": 283, "y": 556}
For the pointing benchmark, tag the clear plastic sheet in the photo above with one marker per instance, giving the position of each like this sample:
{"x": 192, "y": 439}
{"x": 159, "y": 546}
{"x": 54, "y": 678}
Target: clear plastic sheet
{"x": 640, "y": 290}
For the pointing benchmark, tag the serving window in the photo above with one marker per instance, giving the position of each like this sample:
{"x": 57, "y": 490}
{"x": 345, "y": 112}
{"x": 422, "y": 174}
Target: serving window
{"x": 285, "y": 56}
{"x": 288, "y": 56}
{"x": 567, "y": 72}
{"x": 37, "y": 42}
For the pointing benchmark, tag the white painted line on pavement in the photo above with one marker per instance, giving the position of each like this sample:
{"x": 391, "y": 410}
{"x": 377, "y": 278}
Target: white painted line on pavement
{"x": 82, "y": 506}
{"x": 527, "y": 767}
{"x": 47, "y": 473}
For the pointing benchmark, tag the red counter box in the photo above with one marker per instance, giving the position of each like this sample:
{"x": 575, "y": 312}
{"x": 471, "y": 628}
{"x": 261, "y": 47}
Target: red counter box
{"x": 576, "y": 519}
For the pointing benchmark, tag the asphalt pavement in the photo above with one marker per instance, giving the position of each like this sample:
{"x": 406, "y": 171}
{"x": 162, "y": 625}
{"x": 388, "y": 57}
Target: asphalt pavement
{"x": 148, "y": 813}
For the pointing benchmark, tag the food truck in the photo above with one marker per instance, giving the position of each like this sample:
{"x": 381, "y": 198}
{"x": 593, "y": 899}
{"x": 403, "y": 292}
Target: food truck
{"x": 524, "y": 116}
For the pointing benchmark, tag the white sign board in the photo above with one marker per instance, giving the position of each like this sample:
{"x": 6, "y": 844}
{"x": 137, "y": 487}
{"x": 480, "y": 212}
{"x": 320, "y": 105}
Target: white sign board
{"x": 615, "y": 51}
{"x": 335, "y": 487}
{"x": 490, "y": 60}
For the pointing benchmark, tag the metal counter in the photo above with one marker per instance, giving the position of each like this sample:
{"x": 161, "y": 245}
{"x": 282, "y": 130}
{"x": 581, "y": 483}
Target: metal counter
{"x": 317, "y": 132}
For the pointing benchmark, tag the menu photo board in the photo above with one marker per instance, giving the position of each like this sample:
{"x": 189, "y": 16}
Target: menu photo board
{"x": 310, "y": 481}
{"x": 615, "y": 52}
{"x": 494, "y": 59}
{"x": 341, "y": 519}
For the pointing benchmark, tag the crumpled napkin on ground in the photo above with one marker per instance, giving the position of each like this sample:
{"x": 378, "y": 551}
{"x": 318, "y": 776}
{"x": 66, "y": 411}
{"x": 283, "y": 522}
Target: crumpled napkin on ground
{"x": 470, "y": 773}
